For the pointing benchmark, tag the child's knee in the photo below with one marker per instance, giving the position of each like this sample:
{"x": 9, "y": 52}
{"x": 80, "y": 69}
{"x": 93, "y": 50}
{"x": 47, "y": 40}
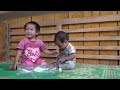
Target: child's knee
{"x": 68, "y": 65}
{"x": 40, "y": 62}
{"x": 28, "y": 63}
{"x": 43, "y": 63}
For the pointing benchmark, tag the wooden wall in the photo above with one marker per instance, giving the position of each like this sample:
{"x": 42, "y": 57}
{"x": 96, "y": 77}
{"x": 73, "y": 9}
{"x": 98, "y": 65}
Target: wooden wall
{"x": 90, "y": 48}
{"x": 2, "y": 42}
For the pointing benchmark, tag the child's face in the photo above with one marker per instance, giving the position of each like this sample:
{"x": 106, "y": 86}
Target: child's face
{"x": 60, "y": 44}
{"x": 30, "y": 31}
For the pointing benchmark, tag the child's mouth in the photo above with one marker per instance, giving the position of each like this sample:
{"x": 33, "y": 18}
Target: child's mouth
{"x": 29, "y": 34}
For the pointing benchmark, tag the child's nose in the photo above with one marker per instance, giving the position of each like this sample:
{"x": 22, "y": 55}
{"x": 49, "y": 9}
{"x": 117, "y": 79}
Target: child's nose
{"x": 28, "y": 30}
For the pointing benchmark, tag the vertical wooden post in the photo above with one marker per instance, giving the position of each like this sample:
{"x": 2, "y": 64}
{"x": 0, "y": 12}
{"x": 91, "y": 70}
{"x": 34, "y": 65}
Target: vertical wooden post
{"x": 59, "y": 27}
{"x": 7, "y": 47}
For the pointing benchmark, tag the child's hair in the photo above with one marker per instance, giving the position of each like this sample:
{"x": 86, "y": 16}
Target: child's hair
{"x": 62, "y": 36}
{"x": 37, "y": 26}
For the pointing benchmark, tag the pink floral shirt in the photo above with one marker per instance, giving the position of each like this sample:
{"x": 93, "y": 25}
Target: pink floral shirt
{"x": 31, "y": 49}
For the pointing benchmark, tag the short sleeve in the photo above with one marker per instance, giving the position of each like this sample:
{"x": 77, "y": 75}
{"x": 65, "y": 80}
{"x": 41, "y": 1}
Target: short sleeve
{"x": 21, "y": 45}
{"x": 42, "y": 46}
{"x": 72, "y": 49}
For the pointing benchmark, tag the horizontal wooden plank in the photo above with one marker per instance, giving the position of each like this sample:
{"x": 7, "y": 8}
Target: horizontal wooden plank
{"x": 97, "y": 47}
{"x": 86, "y": 47}
{"x": 42, "y": 55}
{"x": 101, "y": 29}
{"x": 107, "y": 57}
{"x": 103, "y": 38}
{"x": 104, "y": 18}
{"x": 48, "y": 47}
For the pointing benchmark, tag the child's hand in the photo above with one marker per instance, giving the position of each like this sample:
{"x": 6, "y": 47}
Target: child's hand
{"x": 13, "y": 67}
{"x": 55, "y": 61}
{"x": 55, "y": 52}
{"x": 61, "y": 59}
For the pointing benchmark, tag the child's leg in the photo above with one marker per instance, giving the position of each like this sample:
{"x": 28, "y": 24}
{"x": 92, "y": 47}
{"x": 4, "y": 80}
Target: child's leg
{"x": 56, "y": 64}
{"x": 28, "y": 63}
{"x": 40, "y": 62}
{"x": 67, "y": 65}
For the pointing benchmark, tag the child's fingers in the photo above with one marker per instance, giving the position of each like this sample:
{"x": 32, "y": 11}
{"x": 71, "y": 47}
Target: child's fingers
{"x": 60, "y": 60}
{"x": 55, "y": 60}
{"x": 12, "y": 68}
{"x": 9, "y": 68}
{"x": 55, "y": 52}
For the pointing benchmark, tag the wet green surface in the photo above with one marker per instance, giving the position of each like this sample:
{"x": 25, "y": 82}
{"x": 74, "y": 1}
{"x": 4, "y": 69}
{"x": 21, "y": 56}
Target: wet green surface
{"x": 82, "y": 71}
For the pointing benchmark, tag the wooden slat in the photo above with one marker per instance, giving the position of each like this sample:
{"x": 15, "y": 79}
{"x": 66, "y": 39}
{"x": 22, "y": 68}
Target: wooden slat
{"x": 92, "y": 52}
{"x": 113, "y": 43}
{"x": 59, "y": 27}
{"x": 98, "y": 47}
{"x": 86, "y": 47}
{"x": 104, "y": 18}
{"x": 108, "y": 57}
{"x": 48, "y": 47}
{"x": 16, "y": 33}
{"x": 42, "y": 55}
{"x": 103, "y": 43}
{"x": 8, "y": 42}
{"x": 104, "y": 38}
{"x": 102, "y": 29}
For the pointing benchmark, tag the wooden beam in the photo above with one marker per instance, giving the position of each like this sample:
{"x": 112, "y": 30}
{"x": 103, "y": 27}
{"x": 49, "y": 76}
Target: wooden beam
{"x": 85, "y": 47}
{"x": 102, "y": 29}
{"x": 97, "y": 47}
{"x": 103, "y": 38}
{"x": 105, "y": 18}
{"x": 107, "y": 57}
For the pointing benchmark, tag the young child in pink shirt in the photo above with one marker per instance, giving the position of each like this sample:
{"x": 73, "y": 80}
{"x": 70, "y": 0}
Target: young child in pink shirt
{"x": 31, "y": 47}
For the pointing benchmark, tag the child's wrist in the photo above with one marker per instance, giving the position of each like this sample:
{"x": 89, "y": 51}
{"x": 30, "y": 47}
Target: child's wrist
{"x": 65, "y": 58}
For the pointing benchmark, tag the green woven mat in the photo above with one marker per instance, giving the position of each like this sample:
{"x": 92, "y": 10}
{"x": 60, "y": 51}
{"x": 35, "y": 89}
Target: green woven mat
{"x": 82, "y": 71}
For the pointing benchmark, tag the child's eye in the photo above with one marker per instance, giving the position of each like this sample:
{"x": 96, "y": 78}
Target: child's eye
{"x": 29, "y": 29}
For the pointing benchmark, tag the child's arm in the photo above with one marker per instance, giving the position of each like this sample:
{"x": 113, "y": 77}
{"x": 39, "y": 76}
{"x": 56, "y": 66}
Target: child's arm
{"x": 13, "y": 67}
{"x": 19, "y": 52}
{"x": 50, "y": 52}
{"x": 69, "y": 57}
